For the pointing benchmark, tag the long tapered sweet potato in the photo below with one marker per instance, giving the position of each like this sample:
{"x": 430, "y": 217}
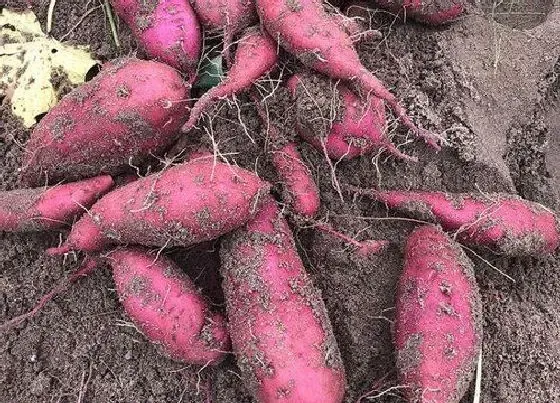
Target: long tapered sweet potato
{"x": 183, "y": 205}
{"x": 131, "y": 110}
{"x": 279, "y": 327}
{"x": 300, "y": 189}
{"x": 167, "y": 29}
{"x": 166, "y": 306}
{"x": 504, "y": 223}
{"x": 43, "y": 209}
{"x": 438, "y": 328}
{"x": 255, "y": 56}
{"x": 304, "y": 29}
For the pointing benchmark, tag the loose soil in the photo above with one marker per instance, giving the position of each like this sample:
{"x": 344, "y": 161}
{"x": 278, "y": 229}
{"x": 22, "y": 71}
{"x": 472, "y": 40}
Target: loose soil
{"x": 491, "y": 85}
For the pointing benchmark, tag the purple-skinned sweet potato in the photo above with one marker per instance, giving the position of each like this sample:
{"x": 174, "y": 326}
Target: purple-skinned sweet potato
{"x": 255, "y": 56}
{"x": 438, "y": 324}
{"x": 229, "y": 16}
{"x": 43, "y": 209}
{"x": 280, "y": 330}
{"x": 304, "y": 29}
{"x": 358, "y": 126}
{"x": 183, "y": 205}
{"x": 504, "y": 223}
{"x": 166, "y": 306}
{"x": 168, "y": 30}
{"x": 129, "y": 112}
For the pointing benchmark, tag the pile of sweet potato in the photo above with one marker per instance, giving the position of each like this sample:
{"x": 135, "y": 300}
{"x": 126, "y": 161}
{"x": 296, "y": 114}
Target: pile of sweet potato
{"x": 275, "y": 322}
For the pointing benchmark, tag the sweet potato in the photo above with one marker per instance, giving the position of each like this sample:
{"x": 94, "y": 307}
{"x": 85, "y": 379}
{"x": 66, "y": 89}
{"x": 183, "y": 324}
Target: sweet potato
{"x": 358, "y": 127}
{"x": 42, "y": 209}
{"x": 431, "y": 12}
{"x": 131, "y": 110}
{"x": 255, "y": 56}
{"x": 304, "y": 29}
{"x": 300, "y": 189}
{"x": 229, "y": 16}
{"x": 183, "y": 205}
{"x": 352, "y": 25}
{"x": 504, "y": 223}
{"x": 166, "y": 306}
{"x": 438, "y": 328}
{"x": 167, "y": 29}
{"x": 278, "y": 323}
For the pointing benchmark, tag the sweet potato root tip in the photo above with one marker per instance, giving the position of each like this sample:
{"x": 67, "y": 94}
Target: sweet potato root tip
{"x": 86, "y": 268}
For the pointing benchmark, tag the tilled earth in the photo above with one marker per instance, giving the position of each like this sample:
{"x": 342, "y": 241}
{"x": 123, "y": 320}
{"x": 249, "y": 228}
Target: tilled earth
{"x": 491, "y": 85}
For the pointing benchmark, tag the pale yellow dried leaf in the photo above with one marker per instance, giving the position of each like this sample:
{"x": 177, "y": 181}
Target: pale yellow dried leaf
{"x": 28, "y": 61}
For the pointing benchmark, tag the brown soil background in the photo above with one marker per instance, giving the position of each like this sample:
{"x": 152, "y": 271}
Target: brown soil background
{"x": 492, "y": 84}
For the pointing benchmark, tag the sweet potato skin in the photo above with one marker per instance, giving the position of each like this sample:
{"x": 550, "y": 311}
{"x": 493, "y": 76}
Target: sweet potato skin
{"x": 256, "y": 55}
{"x": 42, "y": 209}
{"x": 277, "y": 320}
{"x": 430, "y": 12}
{"x": 233, "y": 15}
{"x": 183, "y": 205}
{"x": 357, "y": 130}
{"x": 438, "y": 328}
{"x": 166, "y": 306}
{"x": 504, "y": 223}
{"x": 131, "y": 109}
{"x": 304, "y": 29}
{"x": 300, "y": 190}
{"x": 167, "y": 29}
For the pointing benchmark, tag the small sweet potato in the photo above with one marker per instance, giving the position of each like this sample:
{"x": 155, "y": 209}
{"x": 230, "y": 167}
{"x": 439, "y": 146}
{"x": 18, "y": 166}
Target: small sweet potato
{"x": 438, "y": 328}
{"x": 183, "y": 205}
{"x": 167, "y": 29}
{"x": 255, "y": 56}
{"x": 132, "y": 109}
{"x": 278, "y": 323}
{"x": 299, "y": 188}
{"x": 166, "y": 306}
{"x": 504, "y": 223}
{"x": 42, "y": 209}
{"x": 358, "y": 126}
